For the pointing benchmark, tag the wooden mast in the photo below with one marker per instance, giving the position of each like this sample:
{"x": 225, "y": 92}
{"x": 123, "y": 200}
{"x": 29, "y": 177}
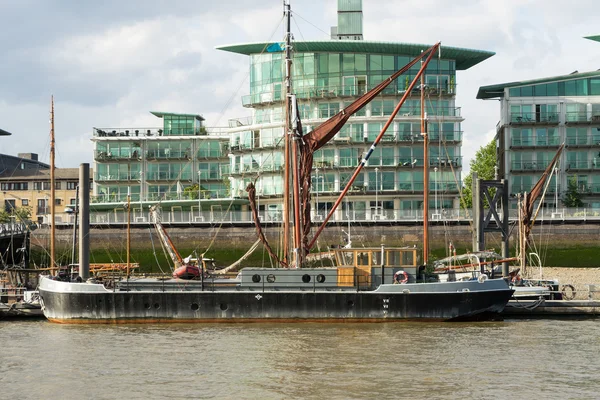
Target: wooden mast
{"x": 128, "y": 231}
{"x": 425, "y": 173}
{"x": 286, "y": 132}
{"x": 52, "y": 190}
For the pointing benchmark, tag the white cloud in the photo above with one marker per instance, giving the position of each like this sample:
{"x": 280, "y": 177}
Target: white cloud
{"x": 110, "y": 63}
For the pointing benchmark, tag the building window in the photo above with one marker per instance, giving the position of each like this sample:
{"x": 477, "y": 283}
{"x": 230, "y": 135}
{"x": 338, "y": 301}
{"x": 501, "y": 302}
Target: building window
{"x": 72, "y": 201}
{"x": 24, "y": 202}
{"x": 57, "y": 185}
{"x": 71, "y": 185}
{"x": 57, "y": 202}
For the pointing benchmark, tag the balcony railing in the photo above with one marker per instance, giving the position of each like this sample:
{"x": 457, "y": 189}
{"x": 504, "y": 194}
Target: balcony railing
{"x": 588, "y": 140}
{"x": 109, "y": 156}
{"x": 582, "y": 118}
{"x": 140, "y": 132}
{"x": 384, "y": 216}
{"x": 535, "y": 141}
{"x": 330, "y": 92}
{"x": 169, "y": 176}
{"x": 116, "y": 177}
{"x": 527, "y": 118}
{"x": 168, "y": 154}
{"x": 529, "y": 165}
{"x": 585, "y": 165}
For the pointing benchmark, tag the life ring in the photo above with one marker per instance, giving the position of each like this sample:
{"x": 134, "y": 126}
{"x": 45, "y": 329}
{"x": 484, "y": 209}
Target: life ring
{"x": 400, "y": 277}
{"x": 568, "y": 292}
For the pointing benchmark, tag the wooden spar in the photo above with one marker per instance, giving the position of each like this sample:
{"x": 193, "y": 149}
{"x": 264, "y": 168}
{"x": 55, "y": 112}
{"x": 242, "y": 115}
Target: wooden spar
{"x": 286, "y": 158}
{"x": 298, "y": 252}
{"x": 456, "y": 267}
{"x": 372, "y": 148}
{"x": 52, "y": 189}
{"x": 425, "y": 173}
{"x": 128, "y": 231}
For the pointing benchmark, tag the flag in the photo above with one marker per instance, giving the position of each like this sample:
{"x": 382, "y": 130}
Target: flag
{"x": 275, "y": 47}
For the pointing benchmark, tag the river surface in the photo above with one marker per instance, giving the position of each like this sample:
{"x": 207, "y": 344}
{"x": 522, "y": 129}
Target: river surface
{"x": 526, "y": 359}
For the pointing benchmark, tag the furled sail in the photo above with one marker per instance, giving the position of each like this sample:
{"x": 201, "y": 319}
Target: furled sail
{"x": 528, "y": 205}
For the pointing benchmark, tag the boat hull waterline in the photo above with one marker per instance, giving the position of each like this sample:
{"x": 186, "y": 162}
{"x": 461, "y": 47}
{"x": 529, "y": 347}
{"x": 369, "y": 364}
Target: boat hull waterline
{"x": 67, "y": 302}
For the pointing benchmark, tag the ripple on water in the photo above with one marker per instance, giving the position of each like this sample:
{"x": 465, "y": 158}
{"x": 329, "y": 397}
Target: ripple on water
{"x": 531, "y": 359}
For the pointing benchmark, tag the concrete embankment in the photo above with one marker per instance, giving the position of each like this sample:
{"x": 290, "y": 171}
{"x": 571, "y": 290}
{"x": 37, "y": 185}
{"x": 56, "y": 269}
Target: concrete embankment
{"x": 559, "y": 244}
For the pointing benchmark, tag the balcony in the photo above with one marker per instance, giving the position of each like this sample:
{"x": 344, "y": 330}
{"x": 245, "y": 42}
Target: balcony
{"x": 583, "y": 141}
{"x": 168, "y": 154}
{"x": 332, "y": 92}
{"x": 533, "y": 118}
{"x": 42, "y": 210}
{"x": 583, "y": 165}
{"x": 535, "y": 141}
{"x": 147, "y": 132}
{"x": 581, "y": 118}
{"x": 108, "y": 156}
{"x": 169, "y": 176}
{"x": 117, "y": 177}
{"x": 528, "y": 166}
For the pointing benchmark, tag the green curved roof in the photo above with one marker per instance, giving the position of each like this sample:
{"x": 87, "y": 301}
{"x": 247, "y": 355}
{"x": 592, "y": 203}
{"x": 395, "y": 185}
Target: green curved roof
{"x": 595, "y": 38}
{"x": 496, "y": 91}
{"x": 465, "y": 58}
{"x": 161, "y": 114}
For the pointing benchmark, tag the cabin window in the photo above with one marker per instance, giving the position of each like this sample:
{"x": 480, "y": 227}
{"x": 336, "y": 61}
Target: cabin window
{"x": 255, "y": 278}
{"x": 306, "y": 278}
{"x": 376, "y": 258}
{"x": 362, "y": 258}
{"x": 320, "y": 278}
{"x": 408, "y": 258}
{"x": 393, "y": 258}
{"x": 271, "y": 278}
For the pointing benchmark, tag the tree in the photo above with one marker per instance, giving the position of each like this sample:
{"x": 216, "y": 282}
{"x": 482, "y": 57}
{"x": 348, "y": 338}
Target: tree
{"x": 572, "y": 196}
{"x": 484, "y": 164}
{"x": 21, "y": 214}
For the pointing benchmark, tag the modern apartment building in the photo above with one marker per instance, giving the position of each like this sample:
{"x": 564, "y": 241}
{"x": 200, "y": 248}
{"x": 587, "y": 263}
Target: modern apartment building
{"x": 167, "y": 164}
{"x": 178, "y": 164}
{"x": 327, "y": 76}
{"x": 536, "y": 116}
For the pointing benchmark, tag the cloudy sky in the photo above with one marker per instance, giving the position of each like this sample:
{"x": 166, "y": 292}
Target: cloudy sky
{"x": 109, "y": 63}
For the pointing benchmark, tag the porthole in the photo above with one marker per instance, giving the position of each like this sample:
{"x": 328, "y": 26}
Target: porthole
{"x": 350, "y": 303}
{"x": 147, "y": 306}
{"x": 320, "y": 278}
{"x": 194, "y": 306}
{"x": 306, "y": 278}
{"x": 156, "y": 306}
{"x": 271, "y": 278}
{"x": 256, "y": 278}
{"x": 224, "y": 306}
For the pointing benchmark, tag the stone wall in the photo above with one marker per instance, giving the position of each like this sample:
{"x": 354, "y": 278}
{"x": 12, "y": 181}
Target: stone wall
{"x": 557, "y": 235}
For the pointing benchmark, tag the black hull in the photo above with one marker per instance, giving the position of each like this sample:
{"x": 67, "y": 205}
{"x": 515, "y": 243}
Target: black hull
{"x": 255, "y": 306}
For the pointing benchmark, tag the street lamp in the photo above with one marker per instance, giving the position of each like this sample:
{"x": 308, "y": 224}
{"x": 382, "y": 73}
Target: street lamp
{"x": 435, "y": 170}
{"x": 199, "y": 196}
{"x": 556, "y": 190}
{"x": 376, "y": 192}
{"x": 317, "y": 190}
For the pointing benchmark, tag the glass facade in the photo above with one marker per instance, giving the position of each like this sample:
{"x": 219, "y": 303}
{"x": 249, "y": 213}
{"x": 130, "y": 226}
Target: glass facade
{"x": 327, "y": 82}
{"x": 174, "y": 162}
{"x": 537, "y": 119}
